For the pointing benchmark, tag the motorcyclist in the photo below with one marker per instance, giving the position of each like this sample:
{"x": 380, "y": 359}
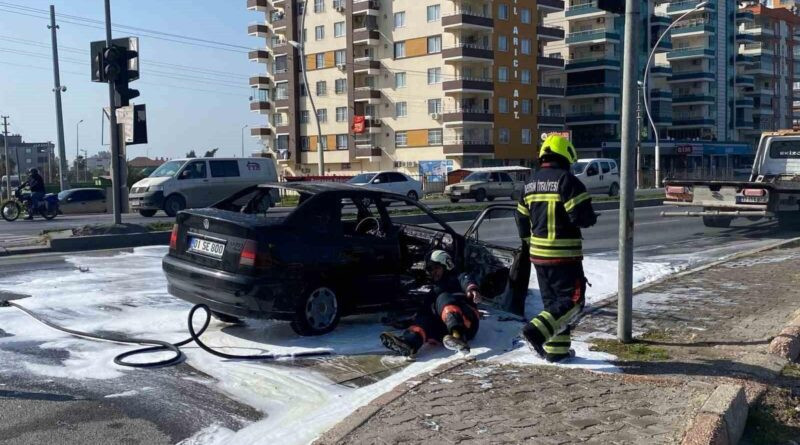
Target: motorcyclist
{"x": 449, "y": 313}
{"x": 35, "y": 183}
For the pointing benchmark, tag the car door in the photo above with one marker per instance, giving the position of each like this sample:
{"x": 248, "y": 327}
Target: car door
{"x": 193, "y": 184}
{"x": 225, "y": 179}
{"x": 592, "y": 177}
{"x": 606, "y": 179}
{"x": 493, "y": 255}
{"x": 96, "y": 201}
{"x": 72, "y": 203}
{"x": 506, "y": 185}
{"x": 400, "y": 184}
{"x": 382, "y": 181}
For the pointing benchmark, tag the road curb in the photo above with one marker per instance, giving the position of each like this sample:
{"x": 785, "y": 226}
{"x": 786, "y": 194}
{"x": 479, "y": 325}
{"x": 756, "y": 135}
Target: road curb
{"x": 787, "y": 343}
{"x": 361, "y": 415}
{"x": 722, "y": 418}
{"x": 119, "y": 241}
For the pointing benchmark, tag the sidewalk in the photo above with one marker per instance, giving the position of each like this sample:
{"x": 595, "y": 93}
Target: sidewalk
{"x": 698, "y": 334}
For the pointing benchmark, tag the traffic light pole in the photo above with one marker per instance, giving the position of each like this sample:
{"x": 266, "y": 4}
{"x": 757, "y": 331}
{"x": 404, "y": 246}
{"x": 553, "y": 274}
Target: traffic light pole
{"x": 116, "y": 164}
{"x": 62, "y": 151}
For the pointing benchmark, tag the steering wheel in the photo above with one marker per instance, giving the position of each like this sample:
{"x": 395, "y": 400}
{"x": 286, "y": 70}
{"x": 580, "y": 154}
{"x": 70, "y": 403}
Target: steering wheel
{"x": 363, "y": 226}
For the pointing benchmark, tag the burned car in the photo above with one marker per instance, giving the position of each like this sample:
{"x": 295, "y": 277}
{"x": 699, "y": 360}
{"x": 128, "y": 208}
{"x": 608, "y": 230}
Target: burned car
{"x": 339, "y": 252}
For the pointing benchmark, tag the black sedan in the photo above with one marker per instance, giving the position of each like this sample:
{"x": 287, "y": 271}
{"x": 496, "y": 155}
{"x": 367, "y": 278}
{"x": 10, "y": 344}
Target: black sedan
{"x": 340, "y": 252}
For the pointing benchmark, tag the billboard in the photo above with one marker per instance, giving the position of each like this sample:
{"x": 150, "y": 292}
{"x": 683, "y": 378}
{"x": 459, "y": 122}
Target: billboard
{"x": 435, "y": 171}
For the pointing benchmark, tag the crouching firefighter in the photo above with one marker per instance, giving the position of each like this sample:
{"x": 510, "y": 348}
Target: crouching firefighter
{"x": 449, "y": 313}
{"x": 551, "y": 213}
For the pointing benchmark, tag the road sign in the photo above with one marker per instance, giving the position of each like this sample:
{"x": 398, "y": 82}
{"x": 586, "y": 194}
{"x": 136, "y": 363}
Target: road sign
{"x": 134, "y": 123}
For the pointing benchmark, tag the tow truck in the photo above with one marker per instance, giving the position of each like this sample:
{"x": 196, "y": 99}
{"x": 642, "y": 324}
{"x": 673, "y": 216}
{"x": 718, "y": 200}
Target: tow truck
{"x": 772, "y": 191}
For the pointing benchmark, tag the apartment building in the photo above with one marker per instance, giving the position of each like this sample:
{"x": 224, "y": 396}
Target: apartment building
{"x": 423, "y": 81}
{"x": 25, "y": 155}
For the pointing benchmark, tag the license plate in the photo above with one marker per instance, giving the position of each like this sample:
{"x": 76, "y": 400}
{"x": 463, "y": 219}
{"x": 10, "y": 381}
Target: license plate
{"x": 457, "y": 193}
{"x": 751, "y": 200}
{"x": 206, "y": 247}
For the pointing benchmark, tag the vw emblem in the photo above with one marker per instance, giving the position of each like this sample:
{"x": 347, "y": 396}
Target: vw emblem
{"x": 205, "y": 224}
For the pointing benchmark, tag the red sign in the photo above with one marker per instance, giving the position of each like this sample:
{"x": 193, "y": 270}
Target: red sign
{"x": 358, "y": 124}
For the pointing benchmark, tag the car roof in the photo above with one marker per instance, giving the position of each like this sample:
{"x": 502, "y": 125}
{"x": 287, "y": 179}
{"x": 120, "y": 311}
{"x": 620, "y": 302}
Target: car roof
{"x": 594, "y": 159}
{"x": 85, "y": 188}
{"x": 315, "y": 187}
{"x": 496, "y": 169}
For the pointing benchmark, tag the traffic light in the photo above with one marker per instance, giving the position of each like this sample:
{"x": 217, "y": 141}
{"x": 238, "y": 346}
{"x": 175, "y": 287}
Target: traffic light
{"x": 118, "y": 63}
{"x": 612, "y": 6}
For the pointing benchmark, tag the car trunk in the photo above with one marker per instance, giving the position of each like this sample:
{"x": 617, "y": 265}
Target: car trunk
{"x": 216, "y": 238}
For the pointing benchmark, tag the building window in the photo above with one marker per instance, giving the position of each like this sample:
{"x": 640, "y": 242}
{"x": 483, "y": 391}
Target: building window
{"x": 435, "y": 136}
{"x": 502, "y": 43}
{"x": 525, "y": 75}
{"x": 341, "y": 142}
{"x": 502, "y": 104}
{"x": 526, "y": 106}
{"x": 525, "y": 15}
{"x": 340, "y": 86}
{"x": 525, "y": 46}
{"x": 526, "y": 136}
{"x": 301, "y": 8}
{"x": 399, "y": 19}
{"x": 434, "y": 106}
{"x": 502, "y": 74}
{"x": 324, "y": 143}
{"x": 502, "y": 11}
{"x": 401, "y": 109}
{"x": 322, "y": 115}
{"x": 399, "y": 80}
{"x": 341, "y": 114}
{"x": 304, "y": 37}
{"x": 277, "y": 119}
{"x": 340, "y": 57}
{"x": 319, "y": 32}
{"x": 434, "y": 76}
{"x": 504, "y": 135}
{"x": 399, "y": 50}
{"x": 282, "y": 91}
{"x": 400, "y": 139}
{"x": 338, "y": 29}
{"x": 434, "y": 13}
{"x": 434, "y": 44}
{"x": 303, "y": 143}
{"x": 320, "y": 59}
{"x": 303, "y": 116}
{"x": 322, "y": 88}
{"x": 319, "y": 5}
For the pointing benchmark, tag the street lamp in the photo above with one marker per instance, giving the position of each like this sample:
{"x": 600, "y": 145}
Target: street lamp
{"x": 243, "y": 139}
{"x": 77, "y": 145}
{"x": 647, "y": 91}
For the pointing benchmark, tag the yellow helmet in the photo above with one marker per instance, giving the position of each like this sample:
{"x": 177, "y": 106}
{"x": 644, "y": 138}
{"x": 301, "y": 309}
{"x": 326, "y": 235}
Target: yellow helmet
{"x": 555, "y": 144}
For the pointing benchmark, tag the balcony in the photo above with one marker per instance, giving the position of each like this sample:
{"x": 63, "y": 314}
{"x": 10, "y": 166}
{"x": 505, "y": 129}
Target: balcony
{"x": 366, "y": 94}
{"x": 258, "y": 30}
{"x": 594, "y": 90}
{"x": 281, "y": 103}
{"x": 687, "y": 120}
{"x": 745, "y": 59}
{"x": 592, "y": 63}
{"x": 744, "y": 124}
{"x": 368, "y": 150}
{"x": 365, "y": 36}
{"x": 745, "y": 102}
{"x": 546, "y": 33}
{"x": 467, "y": 147}
{"x": 373, "y": 125}
{"x": 696, "y": 28}
{"x": 661, "y": 70}
{"x": 756, "y": 49}
{"x": 682, "y": 7}
{"x": 550, "y": 5}
{"x": 592, "y": 118}
{"x": 583, "y": 10}
{"x": 694, "y": 76}
{"x": 757, "y": 31}
{"x": 592, "y": 36}
{"x": 281, "y": 129}
{"x": 467, "y": 115}
{"x": 280, "y": 48}
{"x": 549, "y": 63}
{"x": 260, "y": 106}
{"x": 468, "y": 52}
{"x": 280, "y": 23}
{"x": 744, "y": 81}
{"x": 745, "y": 38}
{"x": 278, "y": 3}
{"x": 690, "y": 53}
{"x": 660, "y": 20}
{"x": 760, "y": 91}
{"x": 261, "y": 132}
{"x": 370, "y": 7}
{"x": 549, "y": 91}
{"x": 366, "y": 65}
{"x": 259, "y": 55}
{"x": 282, "y": 75}
{"x": 551, "y": 119}
{"x": 660, "y": 95}
{"x": 665, "y": 45}
{"x": 466, "y": 20}
{"x": 662, "y": 119}
{"x": 260, "y": 82}
{"x": 760, "y": 67}
{"x": 745, "y": 17}
{"x": 468, "y": 85}
{"x": 258, "y": 5}
{"x": 693, "y": 99}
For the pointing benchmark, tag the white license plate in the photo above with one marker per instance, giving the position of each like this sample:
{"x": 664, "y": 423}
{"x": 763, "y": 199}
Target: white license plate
{"x": 206, "y": 247}
{"x": 457, "y": 193}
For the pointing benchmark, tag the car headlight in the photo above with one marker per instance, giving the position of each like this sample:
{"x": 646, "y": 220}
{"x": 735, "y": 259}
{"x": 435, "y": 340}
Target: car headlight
{"x": 155, "y": 188}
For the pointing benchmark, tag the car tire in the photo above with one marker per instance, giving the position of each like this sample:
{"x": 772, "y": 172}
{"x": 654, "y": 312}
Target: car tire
{"x": 454, "y": 200}
{"x": 719, "y": 222}
{"x": 412, "y": 195}
{"x": 148, "y": 213}
{"x": 48, "y": 212}
{"x": 490, "y": 198}
{"x": 613, "y": 190}
{"x": 317, "y": 313}
{"x": 480, "y": 195}
{"x": 225, "y": 318}
{"x": 173, "y": 205}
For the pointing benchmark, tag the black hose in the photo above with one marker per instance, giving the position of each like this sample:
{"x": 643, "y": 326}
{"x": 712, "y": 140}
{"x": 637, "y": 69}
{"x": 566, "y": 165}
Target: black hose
{"x": 160, "y": 346}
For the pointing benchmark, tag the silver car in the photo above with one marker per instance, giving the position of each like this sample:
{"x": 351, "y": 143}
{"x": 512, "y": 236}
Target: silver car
{"x": 391, "y": 182}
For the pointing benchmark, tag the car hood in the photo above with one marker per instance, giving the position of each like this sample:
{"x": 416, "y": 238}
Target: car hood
{"x": 149, "y": 182}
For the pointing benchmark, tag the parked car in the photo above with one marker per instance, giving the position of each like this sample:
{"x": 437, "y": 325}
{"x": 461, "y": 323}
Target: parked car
{"x": 485, "y": 184}
{"x": 394, "y": 182}
{"x": 599, "y": 175}
{"x": 198, "y": 182}
{"x": 84, "y": 200}
{"x": 334, "y": 255}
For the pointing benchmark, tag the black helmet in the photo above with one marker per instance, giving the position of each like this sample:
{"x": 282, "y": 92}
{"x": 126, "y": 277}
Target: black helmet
{"x": 33, "y": 171}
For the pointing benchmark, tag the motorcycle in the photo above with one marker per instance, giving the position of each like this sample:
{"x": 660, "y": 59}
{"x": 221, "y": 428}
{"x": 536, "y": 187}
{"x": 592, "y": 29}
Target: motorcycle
{"x": 21, "y": 202}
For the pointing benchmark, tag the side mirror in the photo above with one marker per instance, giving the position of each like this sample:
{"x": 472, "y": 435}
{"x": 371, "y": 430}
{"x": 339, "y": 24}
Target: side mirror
{"x": 184, "y": 174}
{"x": 376, "y": 181}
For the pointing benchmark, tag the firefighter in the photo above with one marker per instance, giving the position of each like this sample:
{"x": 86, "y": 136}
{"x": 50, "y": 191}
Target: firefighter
{"x": 552, "y": 211}
{"x": 449, "y": 313}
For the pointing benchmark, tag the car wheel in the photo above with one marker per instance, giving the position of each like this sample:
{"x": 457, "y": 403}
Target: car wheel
{"x": 317, "y": 313}
{"x": 225, "y": 318}
{"x": 613, "y": 190}
{"x": 174, "y": 204}
{"x": 412, "y": 195}
{"x": 454, "y": 200}
{"x": 490, "y": 198}
{"x": 48, "y": 212}
{"x": 148, "y": 213}
{"x": 480, "y": 195}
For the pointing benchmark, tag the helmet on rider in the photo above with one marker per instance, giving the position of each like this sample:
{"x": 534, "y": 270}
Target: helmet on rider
{"x": 441, "y": 258}
{"x": 33, "y": 171}
{"x": 559, "y": 146}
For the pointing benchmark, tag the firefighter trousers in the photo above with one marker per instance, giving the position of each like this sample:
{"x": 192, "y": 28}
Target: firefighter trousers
{"x": 563, "y": 289}
{"x": 448, "y": 312}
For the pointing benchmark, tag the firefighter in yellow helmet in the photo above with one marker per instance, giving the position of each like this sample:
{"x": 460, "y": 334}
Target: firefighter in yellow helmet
{"x": 552, "y": 211}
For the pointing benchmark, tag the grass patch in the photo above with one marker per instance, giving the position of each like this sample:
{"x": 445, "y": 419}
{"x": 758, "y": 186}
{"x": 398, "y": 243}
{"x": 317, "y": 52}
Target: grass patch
{"x": 635, "y": 351}
{"x": 765, "y": 426}
{"x": 160, "y": 226}
{"x": 656, "y": 335}
{"x": 791, "y": 370}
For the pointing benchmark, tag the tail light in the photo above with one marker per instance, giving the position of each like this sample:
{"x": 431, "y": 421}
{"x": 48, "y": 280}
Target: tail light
{"x": 675, "y": 190}
{"x": 173, "y": 238}
{"x": 251, "y": 257}
{"x": 754, "y": 192}
{"x": 678, "y": 193}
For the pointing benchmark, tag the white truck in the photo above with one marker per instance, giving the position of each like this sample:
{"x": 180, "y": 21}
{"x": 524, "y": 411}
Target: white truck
{"x": 773, "y": 190}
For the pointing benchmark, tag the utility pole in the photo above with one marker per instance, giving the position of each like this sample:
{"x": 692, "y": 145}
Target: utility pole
{"x": 57, "y": 89}
{"x": 5, "y": 144}
{"x": 628, "y": 166}
{"x": 77, "y": 147}
{"x": 116, "y": 165}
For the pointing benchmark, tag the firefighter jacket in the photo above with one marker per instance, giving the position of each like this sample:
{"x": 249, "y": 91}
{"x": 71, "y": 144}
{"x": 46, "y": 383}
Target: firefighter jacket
{"x": 552, "y": 211}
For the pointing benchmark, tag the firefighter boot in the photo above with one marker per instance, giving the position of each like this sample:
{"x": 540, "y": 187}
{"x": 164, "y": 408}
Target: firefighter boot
{"x": 534, "y": 339}
{"x": 456, "y": 342}
{"x": 400, "y": 344}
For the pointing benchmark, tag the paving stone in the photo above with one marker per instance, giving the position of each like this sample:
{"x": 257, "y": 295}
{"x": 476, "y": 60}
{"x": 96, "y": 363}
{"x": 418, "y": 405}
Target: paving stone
{"x": 584, "y": 423}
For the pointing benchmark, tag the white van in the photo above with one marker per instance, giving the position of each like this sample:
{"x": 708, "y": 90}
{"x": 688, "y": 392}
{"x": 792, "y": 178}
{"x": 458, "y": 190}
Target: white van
{"x": 599, "y": 175}
{"x": 198, "y": 182}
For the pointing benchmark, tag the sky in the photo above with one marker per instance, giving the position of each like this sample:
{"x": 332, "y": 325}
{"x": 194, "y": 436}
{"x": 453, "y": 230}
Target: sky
{"x": 200, "y": 107}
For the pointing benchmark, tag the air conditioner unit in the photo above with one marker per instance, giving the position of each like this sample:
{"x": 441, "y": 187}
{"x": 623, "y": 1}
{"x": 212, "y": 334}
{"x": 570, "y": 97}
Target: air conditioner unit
{"x": 435, "y": 115}
{"x": 397, "y": 164}
{"x": 341, "y": 66}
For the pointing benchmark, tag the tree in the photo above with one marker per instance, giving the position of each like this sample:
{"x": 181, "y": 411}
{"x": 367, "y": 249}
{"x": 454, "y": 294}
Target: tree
{"x": 191, "y": 154}
{"x": 211, "y": 153}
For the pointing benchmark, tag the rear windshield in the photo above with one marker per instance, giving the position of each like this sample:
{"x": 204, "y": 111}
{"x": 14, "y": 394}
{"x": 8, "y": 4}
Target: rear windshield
{"x": 362, "y": 178}
{"x": 784, "y": 150}
{"x": 167, "y": 169}
{"x": 579, "y": 167}
{"x": 481, "y": 177}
